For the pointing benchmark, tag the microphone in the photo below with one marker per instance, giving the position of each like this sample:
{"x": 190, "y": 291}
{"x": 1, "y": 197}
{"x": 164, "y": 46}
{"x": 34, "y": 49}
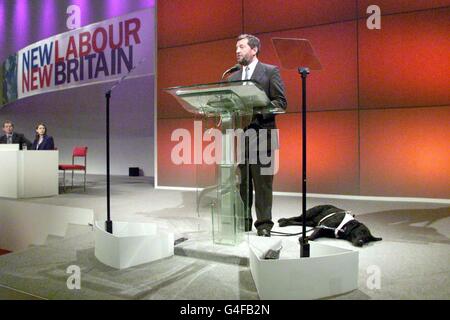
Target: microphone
{"x": 234, "y": 68}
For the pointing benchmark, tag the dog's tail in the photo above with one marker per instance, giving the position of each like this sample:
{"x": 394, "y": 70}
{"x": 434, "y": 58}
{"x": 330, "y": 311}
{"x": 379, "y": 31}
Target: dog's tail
{"x": 284, "y": 222}
{"x": 375, "y": 238}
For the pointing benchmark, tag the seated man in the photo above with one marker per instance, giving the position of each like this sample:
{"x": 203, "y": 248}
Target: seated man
{"x": 11, "y": 137}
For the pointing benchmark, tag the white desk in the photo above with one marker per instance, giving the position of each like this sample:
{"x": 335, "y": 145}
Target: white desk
{"x": 28, "y": 174}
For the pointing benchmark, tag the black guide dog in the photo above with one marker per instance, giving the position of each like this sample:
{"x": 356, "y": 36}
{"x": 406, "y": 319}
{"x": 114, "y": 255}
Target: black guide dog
{"x": 332, "y": 222}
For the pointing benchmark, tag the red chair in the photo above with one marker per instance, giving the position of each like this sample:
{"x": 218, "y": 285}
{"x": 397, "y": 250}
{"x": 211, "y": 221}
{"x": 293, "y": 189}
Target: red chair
{"x": 78, "y": 152}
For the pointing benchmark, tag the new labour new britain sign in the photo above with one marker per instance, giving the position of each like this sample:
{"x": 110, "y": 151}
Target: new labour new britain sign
{"x": 100, "y": 52}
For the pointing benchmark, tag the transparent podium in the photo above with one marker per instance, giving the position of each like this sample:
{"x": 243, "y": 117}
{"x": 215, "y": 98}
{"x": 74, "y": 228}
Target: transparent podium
{"x": 234, "y": 103}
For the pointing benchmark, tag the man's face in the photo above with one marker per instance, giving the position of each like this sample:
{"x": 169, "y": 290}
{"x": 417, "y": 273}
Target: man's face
{"x": 8, "y": 128}
{"x": 244, "y": 53}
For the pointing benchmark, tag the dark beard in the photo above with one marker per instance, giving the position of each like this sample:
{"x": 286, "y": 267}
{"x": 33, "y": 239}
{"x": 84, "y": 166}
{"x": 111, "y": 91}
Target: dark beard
{"x": 244, "y": 62}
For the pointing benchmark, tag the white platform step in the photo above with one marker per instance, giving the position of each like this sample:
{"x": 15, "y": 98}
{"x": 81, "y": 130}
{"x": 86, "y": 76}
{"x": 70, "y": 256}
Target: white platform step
{"x": 131, "y": 244}
{"x": 329, "y": 271}
{"x": 23, "y": 223}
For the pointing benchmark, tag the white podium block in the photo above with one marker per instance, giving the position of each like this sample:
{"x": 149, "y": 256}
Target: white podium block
{"x": 131, "y": 244}
{"x": 329, "y": 271}
{"x": 28, "y": 174}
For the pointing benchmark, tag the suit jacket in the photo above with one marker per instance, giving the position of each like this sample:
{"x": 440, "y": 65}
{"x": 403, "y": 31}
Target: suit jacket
{"x": 47, "y": 144}
{"x": 269, "y": 79}
{"x": 16, "y": 138}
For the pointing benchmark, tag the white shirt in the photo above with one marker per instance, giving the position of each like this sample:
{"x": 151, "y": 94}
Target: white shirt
{"x": 41, "y": 139}
{"x": 251, "y": 67}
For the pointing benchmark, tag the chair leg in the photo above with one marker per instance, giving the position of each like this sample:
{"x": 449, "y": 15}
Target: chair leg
{"x": 85, "y": 181}
{"x": 72, "y": 179}
{"x": 64, "y": 181}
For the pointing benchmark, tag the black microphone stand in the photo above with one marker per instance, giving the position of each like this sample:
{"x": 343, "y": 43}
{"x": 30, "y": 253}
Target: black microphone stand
{"x": 304, "y": 245}
{"x": 234, "y": 68}
{"x": 109, "y": 225}
{"x": 108, "y": 222}
{"x": 293, "y": 53}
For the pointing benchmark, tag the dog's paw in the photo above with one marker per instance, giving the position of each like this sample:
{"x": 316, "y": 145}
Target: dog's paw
{"x": 283, "y": 222}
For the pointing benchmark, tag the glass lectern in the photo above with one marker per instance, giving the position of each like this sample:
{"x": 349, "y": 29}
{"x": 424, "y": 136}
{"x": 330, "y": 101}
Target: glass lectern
{"x": 234, "y": 103}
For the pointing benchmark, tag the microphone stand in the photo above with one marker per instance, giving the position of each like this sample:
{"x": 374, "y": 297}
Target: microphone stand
{"x": 293, "y": 53}
{"x": 235, "y": 68}
{"x": 109, "y": 225}
{"x": 108, "y": 222}
{"x": 304, "y": 245}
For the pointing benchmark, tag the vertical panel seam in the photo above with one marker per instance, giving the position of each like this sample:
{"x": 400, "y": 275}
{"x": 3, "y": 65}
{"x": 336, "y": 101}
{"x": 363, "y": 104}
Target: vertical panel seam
{"x": 243, "y": 18}
{"x": 358, "y": 98}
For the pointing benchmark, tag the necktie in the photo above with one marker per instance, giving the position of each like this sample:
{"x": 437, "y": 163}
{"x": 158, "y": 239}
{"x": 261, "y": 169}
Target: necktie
{"x": 246, "y": 74}
{"x": 9, "y": 139}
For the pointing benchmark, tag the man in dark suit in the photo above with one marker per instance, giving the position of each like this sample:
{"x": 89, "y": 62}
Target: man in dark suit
{"x": 269, "y": 79}
{"x": 10, "y": 137}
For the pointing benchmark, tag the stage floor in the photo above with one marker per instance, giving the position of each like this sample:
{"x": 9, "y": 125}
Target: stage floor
{"x": 412, "y": 260}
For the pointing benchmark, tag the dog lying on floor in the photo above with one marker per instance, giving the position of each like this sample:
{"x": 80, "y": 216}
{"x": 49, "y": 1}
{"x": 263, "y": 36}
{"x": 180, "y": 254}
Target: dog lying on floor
{"x": 332, "y": 222}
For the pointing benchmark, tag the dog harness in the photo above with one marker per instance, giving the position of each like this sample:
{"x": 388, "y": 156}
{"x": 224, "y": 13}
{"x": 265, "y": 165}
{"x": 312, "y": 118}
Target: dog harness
{"x": 347, "y": 218}
{"x": 342, "y": 226}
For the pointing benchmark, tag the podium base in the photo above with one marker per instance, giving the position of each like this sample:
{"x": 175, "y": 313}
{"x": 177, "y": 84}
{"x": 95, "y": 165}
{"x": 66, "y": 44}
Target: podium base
{"x": 327, "y": 272}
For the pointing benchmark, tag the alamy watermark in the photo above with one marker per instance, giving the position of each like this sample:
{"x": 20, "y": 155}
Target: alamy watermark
{"x": 226, "y": 147}
{"x": 74, "y": 280}
{"x": 374, "y": 20}
{"x": 374, "y": 279}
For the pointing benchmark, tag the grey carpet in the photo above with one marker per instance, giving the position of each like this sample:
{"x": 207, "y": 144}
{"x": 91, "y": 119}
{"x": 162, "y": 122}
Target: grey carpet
{"x": 413, "y": 258}
{"x": 41, "y": 270}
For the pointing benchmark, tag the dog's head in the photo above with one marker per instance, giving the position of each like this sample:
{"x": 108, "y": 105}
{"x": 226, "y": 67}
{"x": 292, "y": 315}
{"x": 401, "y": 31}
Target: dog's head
{"x": 360, "y": 235}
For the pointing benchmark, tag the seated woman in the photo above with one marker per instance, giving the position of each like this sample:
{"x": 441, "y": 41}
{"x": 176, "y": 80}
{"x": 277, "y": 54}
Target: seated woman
{"x": 42, "y": 140}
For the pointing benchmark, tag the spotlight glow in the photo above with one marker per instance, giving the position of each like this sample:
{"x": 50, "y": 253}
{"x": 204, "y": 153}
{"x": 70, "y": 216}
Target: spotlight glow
{"x": 21, "y": 24}
{"x": 48, "y": 14}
